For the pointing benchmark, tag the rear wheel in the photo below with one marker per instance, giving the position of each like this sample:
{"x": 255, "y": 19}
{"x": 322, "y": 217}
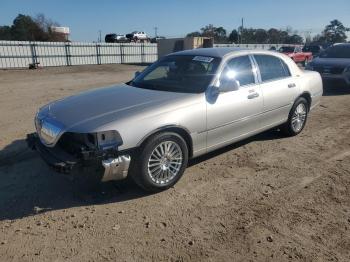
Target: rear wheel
{"x": 161, "y": 162}
{"x": 297, "y": 118}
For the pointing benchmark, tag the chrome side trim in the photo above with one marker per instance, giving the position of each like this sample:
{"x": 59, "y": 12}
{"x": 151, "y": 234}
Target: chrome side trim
{"x": 116, "y": 168}
{"x": 246, "y": 118}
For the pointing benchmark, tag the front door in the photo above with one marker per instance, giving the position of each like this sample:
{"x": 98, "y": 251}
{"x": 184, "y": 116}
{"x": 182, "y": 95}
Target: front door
{"x": 234, "y": 114}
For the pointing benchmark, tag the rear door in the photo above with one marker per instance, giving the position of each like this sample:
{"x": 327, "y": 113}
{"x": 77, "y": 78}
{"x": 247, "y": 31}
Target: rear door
{"x": 278, "y": 86}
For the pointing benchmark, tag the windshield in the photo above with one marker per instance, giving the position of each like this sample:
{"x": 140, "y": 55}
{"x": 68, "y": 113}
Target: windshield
{"x": 186, "y": 74}
{"x": 287, "y": 49}
{"x": 338, "y": 51}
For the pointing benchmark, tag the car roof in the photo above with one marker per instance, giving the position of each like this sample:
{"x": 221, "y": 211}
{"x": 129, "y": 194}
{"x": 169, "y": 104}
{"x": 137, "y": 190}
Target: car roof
{"x": 221, "y": 52}
{"x": 342, "y": 44}
{"x": 213, "y": 52}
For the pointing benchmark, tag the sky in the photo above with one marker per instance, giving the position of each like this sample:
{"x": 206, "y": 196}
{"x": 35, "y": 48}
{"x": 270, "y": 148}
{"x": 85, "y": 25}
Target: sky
{"x": 176, "y": 18}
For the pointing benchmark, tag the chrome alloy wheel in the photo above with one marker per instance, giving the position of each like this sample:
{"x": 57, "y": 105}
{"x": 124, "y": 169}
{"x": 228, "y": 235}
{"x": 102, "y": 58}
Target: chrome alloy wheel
{"x": 299, "y": 117}
{"x": 165, "y": 162}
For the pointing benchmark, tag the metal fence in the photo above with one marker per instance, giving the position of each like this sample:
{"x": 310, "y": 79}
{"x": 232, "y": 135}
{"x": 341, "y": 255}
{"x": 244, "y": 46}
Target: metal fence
{"x": 20, "y": 54}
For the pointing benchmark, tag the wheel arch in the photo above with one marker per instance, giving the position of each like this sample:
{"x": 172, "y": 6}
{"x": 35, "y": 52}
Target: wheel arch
{"x": 308, "y": 98}
{"x": 180, "y": 130}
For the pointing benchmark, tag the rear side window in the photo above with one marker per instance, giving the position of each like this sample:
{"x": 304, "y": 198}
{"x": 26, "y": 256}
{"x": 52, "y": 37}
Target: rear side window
{"x": 271, "y": 67}
{"x": 241, "y": 67}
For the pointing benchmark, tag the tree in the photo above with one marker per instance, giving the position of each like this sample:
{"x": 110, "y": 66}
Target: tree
{"x": 233, "y": 37}
{"x": 318, "y": 39}
{"x": 261, "y": 36}
{"x": 220, "y": 35}
{"x": 208, "y": 30}
{"x": 273, "y": 36}
{"x": 46, "y": 25}
{"x": 335, "y": 32}
{"x": 5, "y": 33}
{"x": 294, "y": 39}
{"x": 251, "y": 35}
{"x": 26, "y": 28}
{"x": 194, "y": 34}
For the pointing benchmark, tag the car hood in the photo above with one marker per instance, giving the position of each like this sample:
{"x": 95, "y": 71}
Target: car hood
{"x": 339, "y": 62}
{"x": 88, "y": 111}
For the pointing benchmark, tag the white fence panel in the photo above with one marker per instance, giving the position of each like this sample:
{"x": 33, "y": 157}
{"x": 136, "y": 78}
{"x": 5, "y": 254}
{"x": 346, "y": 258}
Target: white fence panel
{"x": 15, "y": 54}
{"x": 20, "y": 54}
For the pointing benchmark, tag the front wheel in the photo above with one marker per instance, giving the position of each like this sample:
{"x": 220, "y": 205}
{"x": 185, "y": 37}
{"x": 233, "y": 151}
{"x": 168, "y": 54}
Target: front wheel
{"x": 297, "y": 118}
{"x": 161, "y": 162}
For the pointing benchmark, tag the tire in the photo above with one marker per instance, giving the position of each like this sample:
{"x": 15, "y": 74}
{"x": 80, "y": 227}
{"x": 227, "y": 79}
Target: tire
{"x": 297, "y": 118}
{"x": 153, "y": 170}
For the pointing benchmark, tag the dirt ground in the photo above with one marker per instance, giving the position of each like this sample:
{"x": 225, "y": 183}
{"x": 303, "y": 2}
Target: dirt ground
{"x": 268, "y": 198}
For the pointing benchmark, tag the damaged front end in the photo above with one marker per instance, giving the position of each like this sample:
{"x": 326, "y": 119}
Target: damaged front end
{"x": 80, "y": 153}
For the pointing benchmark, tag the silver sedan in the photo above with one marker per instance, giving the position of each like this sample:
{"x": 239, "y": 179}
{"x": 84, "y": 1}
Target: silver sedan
{"x": 185, "y": 105}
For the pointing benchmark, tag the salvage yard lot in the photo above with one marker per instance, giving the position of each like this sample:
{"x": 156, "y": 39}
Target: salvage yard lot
{"x": 268, "y": 198}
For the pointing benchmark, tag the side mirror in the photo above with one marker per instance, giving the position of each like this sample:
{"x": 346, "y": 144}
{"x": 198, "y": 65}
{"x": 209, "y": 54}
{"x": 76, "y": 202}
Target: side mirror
{"x": 137, "y": 73}
{"x": 228, "y": 84}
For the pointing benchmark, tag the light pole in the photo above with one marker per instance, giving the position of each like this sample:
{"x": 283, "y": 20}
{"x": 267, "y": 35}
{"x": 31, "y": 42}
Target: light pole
{"x": 100, "y": 36}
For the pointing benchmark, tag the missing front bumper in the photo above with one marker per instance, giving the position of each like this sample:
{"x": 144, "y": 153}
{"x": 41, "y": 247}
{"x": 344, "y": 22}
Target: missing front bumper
{"x": 114, "y": 168}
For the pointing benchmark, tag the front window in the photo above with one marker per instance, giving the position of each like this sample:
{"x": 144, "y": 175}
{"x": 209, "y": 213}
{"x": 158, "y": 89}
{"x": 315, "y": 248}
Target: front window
{"x": 240, "y": 68}
{"x": 337, "y": 51}
{"x": 179, "y": 73}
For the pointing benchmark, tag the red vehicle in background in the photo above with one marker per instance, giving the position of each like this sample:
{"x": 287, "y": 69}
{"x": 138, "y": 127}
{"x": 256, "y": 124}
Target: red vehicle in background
{"x": 297, "y": 54}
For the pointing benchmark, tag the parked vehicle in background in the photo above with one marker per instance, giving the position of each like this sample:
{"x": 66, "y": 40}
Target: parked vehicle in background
{"x": 272, "y": 48}
{"x": 115, "y": 38}
{"x": 156, "y": 39}
{"x": 333, "y": 63}
{"x": 314, "y": 49}
{"x": 138, "y": 36}
{"x": 185, "y": 105}
{"x": 297, "y": 54}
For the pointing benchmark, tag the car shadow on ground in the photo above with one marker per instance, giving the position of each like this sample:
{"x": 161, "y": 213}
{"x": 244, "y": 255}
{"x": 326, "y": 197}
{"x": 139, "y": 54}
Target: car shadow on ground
{"x": 29, "y": 186}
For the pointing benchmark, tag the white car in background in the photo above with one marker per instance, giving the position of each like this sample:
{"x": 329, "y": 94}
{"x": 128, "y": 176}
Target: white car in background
{"x": 138, "y": 36}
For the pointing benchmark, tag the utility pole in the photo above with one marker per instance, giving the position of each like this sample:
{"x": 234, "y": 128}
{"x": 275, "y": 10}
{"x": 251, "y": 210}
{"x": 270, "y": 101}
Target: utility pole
{"x": 242, "y": 26}
{"x": 100, "y": 36}
{"x": 155, "y": 31}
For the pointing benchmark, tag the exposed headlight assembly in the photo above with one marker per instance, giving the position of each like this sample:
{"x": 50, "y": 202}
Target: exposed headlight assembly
{"x": 108, "y": 139}
{"x": 48, "y": 129}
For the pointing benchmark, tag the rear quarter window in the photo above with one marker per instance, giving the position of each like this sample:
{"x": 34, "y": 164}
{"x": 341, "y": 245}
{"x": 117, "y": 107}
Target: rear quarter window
{"x": 271, "y": 67}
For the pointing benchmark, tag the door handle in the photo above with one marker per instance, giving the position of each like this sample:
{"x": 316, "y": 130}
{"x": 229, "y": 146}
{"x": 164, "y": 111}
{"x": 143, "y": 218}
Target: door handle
{"x": 291, "y": 85}
{"x": 253, "y": 95}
